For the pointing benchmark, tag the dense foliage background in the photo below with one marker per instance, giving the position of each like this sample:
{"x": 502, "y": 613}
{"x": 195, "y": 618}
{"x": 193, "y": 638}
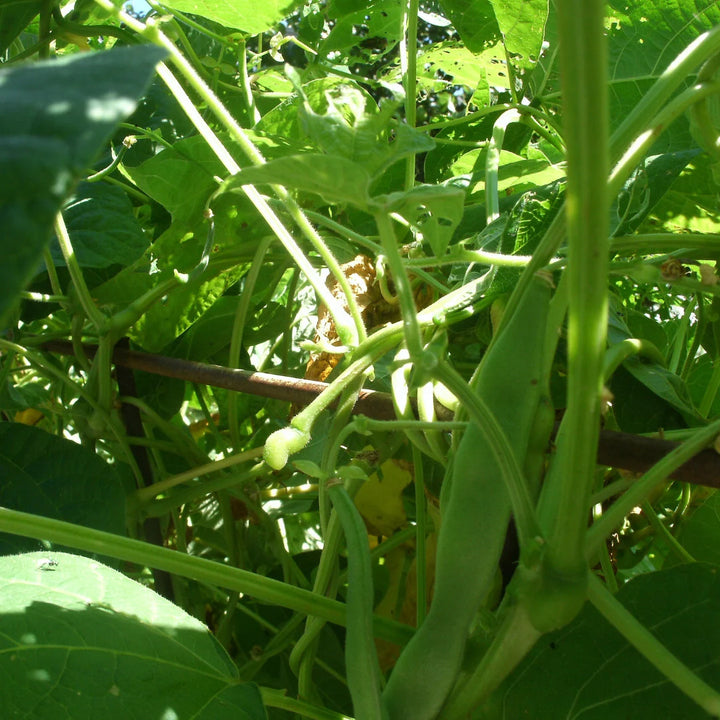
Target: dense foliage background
{"x": 208, "y": 208}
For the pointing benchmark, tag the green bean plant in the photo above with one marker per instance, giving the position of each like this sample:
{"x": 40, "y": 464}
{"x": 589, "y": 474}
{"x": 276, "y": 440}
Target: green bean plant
{"x": 359, "y": 360}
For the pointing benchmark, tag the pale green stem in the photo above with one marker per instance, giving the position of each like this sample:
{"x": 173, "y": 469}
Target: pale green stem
{"x": 618, "y": 353}
{"x": 408, "y": 68}
{"x": 123, "y": 319}
{"x": 658, "y": 242}
{"x": 480, "y": 257}
{"x": 421, "y": 534}
{"x": 492, "y": 109}
{"x": 246, "y": 86}
{"x": 663, "y": 532}
{"x": 43, "y": 297}
{"x": 408, "y": 311}
{"x": 584, "y": 86}
{"x": 492, "y": 163}
{"x": 652, "y": 131}
{"x": 652, "y": 649}
{"x": 145, "y": 494}
{"x": 680, "y": 343}
{"x": 83, "y": 293}
{"x": 239, "y": 322}
{"x": 52, "y": 272}
{"x": 262, "y": 588}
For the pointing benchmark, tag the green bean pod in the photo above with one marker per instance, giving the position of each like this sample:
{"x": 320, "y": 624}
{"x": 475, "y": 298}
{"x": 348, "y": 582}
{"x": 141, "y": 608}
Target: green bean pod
{"x": 363, "y": 669}
{"x": 474, "y": 513}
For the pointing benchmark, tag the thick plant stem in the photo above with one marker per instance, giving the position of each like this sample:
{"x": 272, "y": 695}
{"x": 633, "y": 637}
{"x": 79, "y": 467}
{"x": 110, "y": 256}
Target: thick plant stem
{"x": 583, "y": 69}
{"x": 652, "y": 649}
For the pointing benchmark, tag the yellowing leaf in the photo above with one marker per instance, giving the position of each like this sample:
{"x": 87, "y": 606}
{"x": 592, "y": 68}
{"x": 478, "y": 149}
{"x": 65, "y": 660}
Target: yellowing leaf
{"x": 379, "y": 500}
{"x": 31, "y": 416}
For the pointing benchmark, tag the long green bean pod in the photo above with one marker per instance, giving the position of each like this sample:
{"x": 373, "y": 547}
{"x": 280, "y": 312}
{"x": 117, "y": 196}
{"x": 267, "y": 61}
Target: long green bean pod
{"x": 363, "y": 669}
{"x": 474, "y": 514}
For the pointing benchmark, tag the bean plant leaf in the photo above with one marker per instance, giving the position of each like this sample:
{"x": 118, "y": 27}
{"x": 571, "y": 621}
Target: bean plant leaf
{"x": 516, "y": 174}
{"x": 56, "y": 116}
{"x": 433, "y": 211}
{"x": 246, "y": 15}
{"x": 588, "y": 671}
{"x": 658, "y": 379}
{"x": 450, "y": 61}
{"x": 47, "y": 475}
{"x": 644, "y": 191}
{"x": 336, "y": 179}
{"x": 699, "y": 533}
{"x": 643, "y": 39}
{"x": 183, "y": 179}
{"x": 522, "y": 25}
{"x": 690, "y": 204}
{"x": 81, "y": 637}
{"x": 175, "y": 250}
{"x": 475, "y": 22}
{"x": 103, "y": 229}
{"x": 14, "y": 17}
{"x": 368, "y": 28}
{"x": 526, "y": 225}
{"x": 350, "y": 125}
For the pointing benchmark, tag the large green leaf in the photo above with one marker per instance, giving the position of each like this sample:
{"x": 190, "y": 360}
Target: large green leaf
{"x": 14, "y": 16}
{"x": 246, "y": 15}
{"x": 367, "y": 28}
{"x": 181, "y": 178}
{"x": 700, "y": 532}
{"x": 47, "y": 475}
{"x": 587, "y": 671}
{"x": 55, "y": 117}
{"x": 336, "y": 179}
{"x": 522, "y": 24}
{"x": 175, "y": 250}
{"x": 644, "y": 38}
{"x": 434, "y": 212}
{"x": 516, "y": 174}
{"x": 690, "y": 204}
{"x": 448, "y": 61}
{"x": 647, "y": 188}
{"x": 102, "y": 226}
{"x": 79, "y": 640}
{"x": 474, "y": 20}
{"x": 655, "y": 377}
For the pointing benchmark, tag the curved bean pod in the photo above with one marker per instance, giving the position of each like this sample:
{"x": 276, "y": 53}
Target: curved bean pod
{"x": 475, "y": 513}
